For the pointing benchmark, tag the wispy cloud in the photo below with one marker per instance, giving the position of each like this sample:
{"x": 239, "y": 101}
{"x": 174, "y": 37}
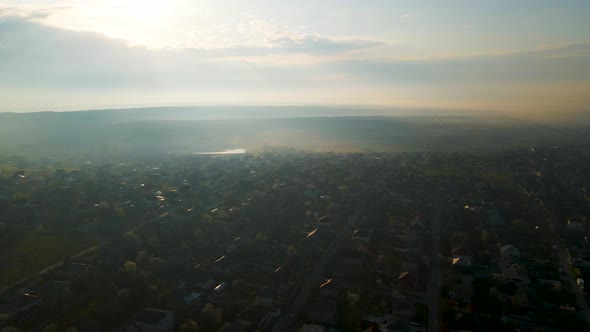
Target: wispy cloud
{"x": 108, "y": 62}
{"x": 410, "y": 15}
{"x": 32, "y": 12}
{"x": 247, "y": 32}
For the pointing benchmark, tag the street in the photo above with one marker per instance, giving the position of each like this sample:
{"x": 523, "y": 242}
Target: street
{"x": 313, "y": 279}
{"x": 565, "y": 262}
{"x": 433, "y": 291}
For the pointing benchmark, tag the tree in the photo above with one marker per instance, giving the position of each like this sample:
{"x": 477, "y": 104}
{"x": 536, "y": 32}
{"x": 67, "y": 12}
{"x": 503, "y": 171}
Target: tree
{"x": 130, "y": 267}
{"x": 103, "y": 205}
{"x": 291, "y": 251}
{"x": 189, "y": 326}
{"x": 10, "y": 329}
{"x": 206, "y": 218}
{"x": 484, "y": 235}
{"x": 131, "y": 242}
{"x": 260, "y": 237}
{"x": 119, "y": 211}
{"x": 51, "y": 328}
{"x": 212, "y": 312}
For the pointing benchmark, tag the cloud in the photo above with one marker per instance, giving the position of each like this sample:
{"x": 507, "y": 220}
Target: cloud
{"x": 179, "y": 27}
{"x": 558, "y": 63}
{"x": 35, "y": 57}
{"x": 317, "y": 44}
{"x": 31, "y": 12}
{"x": 410, "y": 15}
{"x": 91, "y": 56}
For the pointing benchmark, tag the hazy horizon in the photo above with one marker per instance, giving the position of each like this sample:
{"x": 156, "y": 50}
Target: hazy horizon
{"x": 272, "y": 165}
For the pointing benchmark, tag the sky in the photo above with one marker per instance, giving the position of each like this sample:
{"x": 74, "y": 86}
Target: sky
{"x": 528, "y": 56}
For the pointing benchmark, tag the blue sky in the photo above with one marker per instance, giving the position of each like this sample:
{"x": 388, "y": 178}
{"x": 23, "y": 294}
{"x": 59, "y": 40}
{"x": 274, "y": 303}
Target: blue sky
{"x": 518, "y": 56}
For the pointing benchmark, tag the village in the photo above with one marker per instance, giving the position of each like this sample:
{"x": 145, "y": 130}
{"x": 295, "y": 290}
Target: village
{"x": 299, "y": 241}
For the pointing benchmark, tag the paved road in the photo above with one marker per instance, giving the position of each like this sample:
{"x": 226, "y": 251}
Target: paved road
{"x": 567, "y": 268}
{"x": 566, "y": 264}
{"x": 313, "y": 279}
{"x": 81, "y": 253}
{"x": 45, "y": 270}
{"x": 433, "y": 292}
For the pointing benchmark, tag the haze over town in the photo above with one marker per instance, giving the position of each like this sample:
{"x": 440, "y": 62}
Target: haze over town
{"x": 301, "y": 166}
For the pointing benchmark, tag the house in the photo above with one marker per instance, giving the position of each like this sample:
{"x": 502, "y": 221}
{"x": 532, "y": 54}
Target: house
{"x": 255, "y": 317}
{"x": 202, "y": 281}
{"x": 183, "y": 300}
{"x": 417, "y": 225}
{"x": 461, "y": 263}
{"x": 410, "y": 267}
{"x": 509, "y": 252}
{"x": 460, "y": 251}
{"x": 362, "y": 235}
{"x": 397, "y": 298}
{"x": 515, "y": 273}
{"x": 330, "y": 290}
{"x": 408, "y": 275}
{"x": 406, "y": 280}
{"x": 355, "y": 258}
{"x": 519, "y": 299}
{"x": 149, "y": 202}
{"x": 462, "y": 290}
{"x": 554, "y": 284}
{"x": 574, "y": 226}
{"x": 154, "y": 320}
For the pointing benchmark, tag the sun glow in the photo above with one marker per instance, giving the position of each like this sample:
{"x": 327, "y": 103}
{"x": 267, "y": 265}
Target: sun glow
{"x": 151, "y": 23}
{"x": 139, "y": 21}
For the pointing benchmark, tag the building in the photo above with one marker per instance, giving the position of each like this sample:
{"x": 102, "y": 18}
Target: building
{"x": 154, "y": 320}
{"x": 509, "y": 252}
{"x": 257, "y": 318}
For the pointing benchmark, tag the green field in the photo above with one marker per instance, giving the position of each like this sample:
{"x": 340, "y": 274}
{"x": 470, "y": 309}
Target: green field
{"x": 24, "y": 251}
{"x": 441, "y": 171}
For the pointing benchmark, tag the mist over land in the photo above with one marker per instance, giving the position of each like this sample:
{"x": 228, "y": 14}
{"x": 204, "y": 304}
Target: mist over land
{"x": 186, "y": 130}
{"x": 258, "y": 166}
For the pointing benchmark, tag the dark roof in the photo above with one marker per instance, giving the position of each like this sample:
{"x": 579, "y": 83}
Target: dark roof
{"x": 461, "y": 251}
{"x": 151, "y": 316}
{"x": 404, "y": 275}
{"x": 410, "y": 267}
